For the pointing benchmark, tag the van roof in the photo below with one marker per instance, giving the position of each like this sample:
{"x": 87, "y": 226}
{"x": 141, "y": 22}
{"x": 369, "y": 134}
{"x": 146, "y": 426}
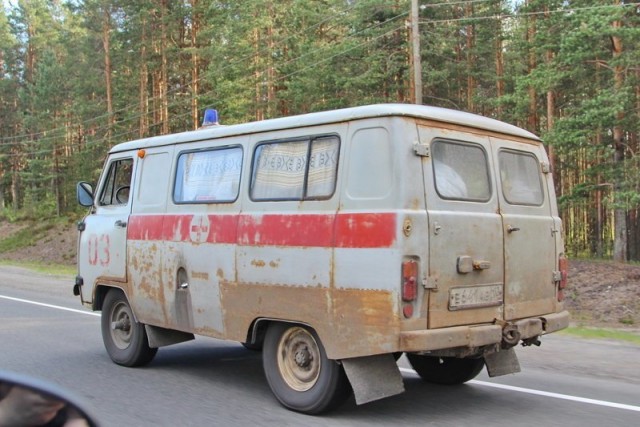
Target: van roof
{"x": 334, "y": 116}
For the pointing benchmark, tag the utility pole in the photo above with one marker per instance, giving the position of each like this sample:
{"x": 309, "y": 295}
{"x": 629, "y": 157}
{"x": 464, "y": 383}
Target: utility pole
{"x": 415, "y": 49}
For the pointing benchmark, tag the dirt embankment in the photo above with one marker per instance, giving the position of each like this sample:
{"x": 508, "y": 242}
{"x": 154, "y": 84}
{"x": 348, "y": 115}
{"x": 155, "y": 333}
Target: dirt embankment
{"x": 48, "y": 242}
{"x": 604, "y": 293}
{"x": 600, "y": 293}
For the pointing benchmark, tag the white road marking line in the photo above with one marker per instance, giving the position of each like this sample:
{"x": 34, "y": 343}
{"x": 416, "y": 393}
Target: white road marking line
{"x": 546, "y": 394}
{"x": 73, "y": 310}
{"x": 411, "y": 371}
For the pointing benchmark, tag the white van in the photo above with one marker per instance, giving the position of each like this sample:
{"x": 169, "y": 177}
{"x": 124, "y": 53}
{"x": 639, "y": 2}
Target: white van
{"x": 334, "y": 242}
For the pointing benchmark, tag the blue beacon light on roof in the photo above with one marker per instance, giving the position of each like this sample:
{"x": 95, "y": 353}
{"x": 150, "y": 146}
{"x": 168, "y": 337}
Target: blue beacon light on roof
{"x": 210, "y": 117}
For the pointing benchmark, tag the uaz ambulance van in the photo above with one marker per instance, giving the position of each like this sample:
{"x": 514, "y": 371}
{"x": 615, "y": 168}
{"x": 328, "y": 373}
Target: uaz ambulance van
{"x": 334, "y": 242}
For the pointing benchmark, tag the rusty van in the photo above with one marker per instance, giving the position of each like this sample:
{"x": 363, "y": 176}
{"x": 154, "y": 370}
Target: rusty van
{"x": 334, "y": 242}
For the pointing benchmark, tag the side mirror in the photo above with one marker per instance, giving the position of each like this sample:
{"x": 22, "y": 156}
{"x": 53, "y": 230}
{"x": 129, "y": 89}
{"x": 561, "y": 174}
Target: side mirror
{"x": 26, "y": 401}
{"x": 84, "y": 194}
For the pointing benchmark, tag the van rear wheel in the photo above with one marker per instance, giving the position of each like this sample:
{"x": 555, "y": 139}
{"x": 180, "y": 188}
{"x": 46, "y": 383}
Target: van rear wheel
{"x": 124, "y": 338}
{"x": 298, "y": 371}
{"x": 445, "y": 370}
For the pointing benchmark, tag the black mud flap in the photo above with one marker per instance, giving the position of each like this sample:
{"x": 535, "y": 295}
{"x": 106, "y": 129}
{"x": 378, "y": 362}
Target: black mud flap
{"x": 502, "y": 362}
{"x": 161, "y": 337}
{"x": 373, "y": 377}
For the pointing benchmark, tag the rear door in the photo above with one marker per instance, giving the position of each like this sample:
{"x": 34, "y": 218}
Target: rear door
{"x": 465, "y": 229}
{"x": 529, "y": 228}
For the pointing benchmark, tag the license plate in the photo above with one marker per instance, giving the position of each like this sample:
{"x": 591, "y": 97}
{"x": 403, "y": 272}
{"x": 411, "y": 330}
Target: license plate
{"x": 475, "y": 296}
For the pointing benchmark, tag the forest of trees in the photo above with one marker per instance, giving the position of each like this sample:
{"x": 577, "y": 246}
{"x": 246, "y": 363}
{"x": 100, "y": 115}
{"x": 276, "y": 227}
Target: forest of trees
{"x": 77, "y": 77}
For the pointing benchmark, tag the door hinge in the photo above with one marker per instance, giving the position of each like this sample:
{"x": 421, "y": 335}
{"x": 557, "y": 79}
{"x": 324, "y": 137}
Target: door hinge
{"x": 422, "y": 150}
{"x": 81, "y": 226}
{"x": 546, "y": 167}
{"x": 429, "y": 284}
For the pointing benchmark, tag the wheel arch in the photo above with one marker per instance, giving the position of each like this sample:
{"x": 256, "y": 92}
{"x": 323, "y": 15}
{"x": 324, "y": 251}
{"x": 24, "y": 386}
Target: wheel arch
{"x": 259, "y": 326}
{"x": 101, "y": 292}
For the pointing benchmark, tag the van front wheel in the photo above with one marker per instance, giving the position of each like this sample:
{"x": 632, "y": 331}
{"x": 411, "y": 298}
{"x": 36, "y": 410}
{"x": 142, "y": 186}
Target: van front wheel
{"x": 445, "y": 370}
{"x": 298, "y": 371}
{"x": 124, "y": 338}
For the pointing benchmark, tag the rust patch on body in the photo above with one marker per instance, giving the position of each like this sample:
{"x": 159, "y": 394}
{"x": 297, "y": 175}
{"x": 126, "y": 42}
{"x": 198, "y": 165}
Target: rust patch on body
{"x": 147, "y": 292}
{"x": 350, "y": 322}
{"x": 199, "y": 275}
{"x": 258, "y": 263}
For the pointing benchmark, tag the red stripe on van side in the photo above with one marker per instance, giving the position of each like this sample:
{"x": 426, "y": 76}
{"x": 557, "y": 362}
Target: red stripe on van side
{"x": 286, "y": 230}
{"x": 353, "y": 230}
{"x": 183, "y": 228}
{"x": 188, "y": 228}
{"x": 365, "y": 230}
{"x": 145, "y": 227}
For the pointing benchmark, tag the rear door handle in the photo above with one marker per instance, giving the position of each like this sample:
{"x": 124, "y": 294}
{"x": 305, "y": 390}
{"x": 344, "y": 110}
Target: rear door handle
{"x": 511, "y": 229}
{"x": 120, "y": 223}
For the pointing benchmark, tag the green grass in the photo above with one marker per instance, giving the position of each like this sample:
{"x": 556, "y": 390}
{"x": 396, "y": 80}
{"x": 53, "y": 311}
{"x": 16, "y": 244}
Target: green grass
{"x": 597, "y": 333}
{"x": 25, "y": 237}
{"x": 55, "y": 269}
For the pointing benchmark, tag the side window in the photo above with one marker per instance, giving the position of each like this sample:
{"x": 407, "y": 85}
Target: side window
{"x": 118, "y": 183}
{"x": 461, "y": 171}
{"x": 295, "y": 170}
{"x": 151, "y": 188}
{"x": 370, "y": 169}
{"x": 520, "y": 177}
{"x": 211, "y": 176}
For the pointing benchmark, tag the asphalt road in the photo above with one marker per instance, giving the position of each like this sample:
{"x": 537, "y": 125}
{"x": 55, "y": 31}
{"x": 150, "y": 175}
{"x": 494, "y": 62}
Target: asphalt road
{"x": 565, "y": 382}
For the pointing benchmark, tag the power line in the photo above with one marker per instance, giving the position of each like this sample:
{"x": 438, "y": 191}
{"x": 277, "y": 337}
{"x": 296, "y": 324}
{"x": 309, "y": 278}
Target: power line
{"x": 106, "y": 127}
{"x": 338, "y": 14}
{"x": 526, "y": 14}
{"x": 142, "y": 114}
{"x": 178, "y": 116}
{"x": 28, "y": 138}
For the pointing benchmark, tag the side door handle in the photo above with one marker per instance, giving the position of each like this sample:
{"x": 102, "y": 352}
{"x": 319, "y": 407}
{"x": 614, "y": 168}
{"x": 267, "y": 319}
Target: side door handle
{"x": 120, "y": 223}
{"x": 511, "y": 229}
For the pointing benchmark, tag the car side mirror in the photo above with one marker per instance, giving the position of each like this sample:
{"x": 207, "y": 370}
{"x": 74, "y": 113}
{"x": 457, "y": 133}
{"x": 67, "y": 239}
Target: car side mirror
{"x": 84, "y": 194}
{"x": 26, "y": 401}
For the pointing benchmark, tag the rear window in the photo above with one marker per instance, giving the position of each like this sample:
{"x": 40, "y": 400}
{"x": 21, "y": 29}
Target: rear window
{"x": 461, "y": 171}
{"x": 520, "y": 177}
{"x": 303, "y": 169}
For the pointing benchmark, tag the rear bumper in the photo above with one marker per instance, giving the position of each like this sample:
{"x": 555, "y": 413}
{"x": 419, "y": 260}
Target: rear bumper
{"x": 477, "y": 336}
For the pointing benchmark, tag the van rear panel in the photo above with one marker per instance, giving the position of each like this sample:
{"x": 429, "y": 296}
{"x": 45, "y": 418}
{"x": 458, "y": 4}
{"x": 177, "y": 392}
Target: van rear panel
{"x": 492, "y": 237}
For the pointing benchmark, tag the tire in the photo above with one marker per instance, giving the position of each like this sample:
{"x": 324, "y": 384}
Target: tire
{"x": 124, "y": 338}
{"x": 445, "y": 370}
{"x": 298, "y": 371}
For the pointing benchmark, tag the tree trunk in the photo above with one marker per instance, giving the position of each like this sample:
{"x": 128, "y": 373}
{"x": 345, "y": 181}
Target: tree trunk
{"x": 620, "y": 215}
{"x": 106, "y": 36}
{"x": 195, "y": 63}
{"x": 551, "y": 108}
{"x": 259, "y": 111}
{"x": 532, "y": 120}
{"x": 499, "y": 69}
{"x": 471, "y": 81}
{"x": 16, "y": 188}
{"x": 271, "y": 67}
{"x": 144, "y": 81}
{"x": 164, "y": 79}
{"x": 31, "y": 54}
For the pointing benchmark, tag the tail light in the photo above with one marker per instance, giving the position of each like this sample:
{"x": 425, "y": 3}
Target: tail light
{"x": 409, "y": 286}
{"x": 563, "y": 266}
